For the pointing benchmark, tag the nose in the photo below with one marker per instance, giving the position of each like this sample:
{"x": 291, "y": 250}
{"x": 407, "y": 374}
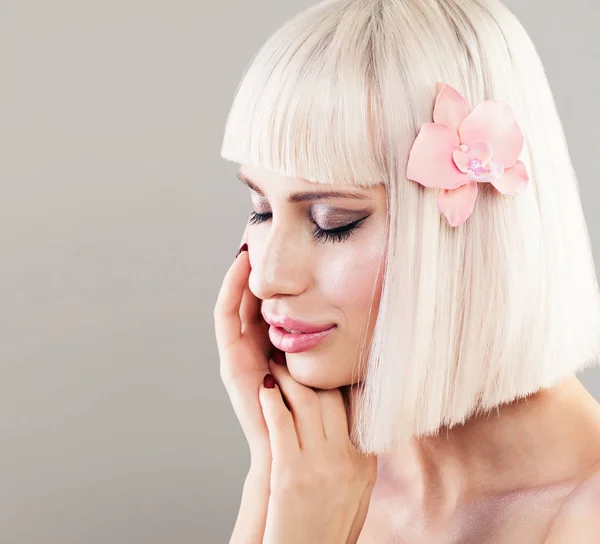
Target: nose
{"x": 281, "y": 263}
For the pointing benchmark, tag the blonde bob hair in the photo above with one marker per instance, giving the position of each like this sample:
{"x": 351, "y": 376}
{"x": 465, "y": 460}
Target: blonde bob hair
{"x": 470, "y": 317}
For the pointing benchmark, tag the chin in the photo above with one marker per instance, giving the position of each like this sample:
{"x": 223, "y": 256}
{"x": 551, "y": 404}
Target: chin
{"x": 312, "y": 372}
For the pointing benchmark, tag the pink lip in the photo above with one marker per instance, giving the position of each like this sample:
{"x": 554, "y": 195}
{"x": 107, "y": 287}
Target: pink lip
{"x": 295, "y": 325}
{"x": 294, "y": 343}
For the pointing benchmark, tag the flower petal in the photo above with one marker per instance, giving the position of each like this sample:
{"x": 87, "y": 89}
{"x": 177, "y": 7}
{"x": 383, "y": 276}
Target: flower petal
{"x": 450, "y": 107}
{"x": 514, "y": 180}
{"x": 481, "y": 151}
{"x": 461, "y": 159}
{"x": 430, "y": 160}
{"x": 457, "y": 204}
{"x": 494, "y": 122}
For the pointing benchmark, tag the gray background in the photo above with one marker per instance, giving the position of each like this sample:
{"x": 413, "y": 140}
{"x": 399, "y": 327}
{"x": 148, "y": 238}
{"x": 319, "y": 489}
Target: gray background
{"x": 118, "y": 220}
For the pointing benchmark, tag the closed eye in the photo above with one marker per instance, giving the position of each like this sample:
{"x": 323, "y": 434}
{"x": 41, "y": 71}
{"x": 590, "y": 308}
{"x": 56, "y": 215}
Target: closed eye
{"x": 339, "y": 234}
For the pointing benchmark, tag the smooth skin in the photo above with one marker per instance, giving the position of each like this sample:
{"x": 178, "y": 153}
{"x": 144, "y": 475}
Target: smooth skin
{"x": 320, "y": 484}
{"x": 527, "y": 473}
{"x": 307, "y": 482}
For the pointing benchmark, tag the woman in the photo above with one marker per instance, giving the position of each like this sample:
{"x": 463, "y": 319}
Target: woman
{"x": 450, "y": 275}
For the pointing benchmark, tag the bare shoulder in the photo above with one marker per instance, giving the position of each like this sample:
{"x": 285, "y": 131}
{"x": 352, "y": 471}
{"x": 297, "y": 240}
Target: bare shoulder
{"x": 578, "y": 520}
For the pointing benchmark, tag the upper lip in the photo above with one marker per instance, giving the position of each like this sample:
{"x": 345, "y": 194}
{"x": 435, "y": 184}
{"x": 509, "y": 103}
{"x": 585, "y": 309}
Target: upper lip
{"x": 295, "y": 325}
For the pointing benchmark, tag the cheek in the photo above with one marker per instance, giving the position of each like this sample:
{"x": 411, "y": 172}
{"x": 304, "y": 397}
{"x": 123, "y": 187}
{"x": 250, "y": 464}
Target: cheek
{"x": 350, "y": 278}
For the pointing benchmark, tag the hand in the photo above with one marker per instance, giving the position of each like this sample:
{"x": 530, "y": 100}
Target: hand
{"x": 321, "y": 484}
{"x": 244, "y": 347}
{"x": 244, "y": 351}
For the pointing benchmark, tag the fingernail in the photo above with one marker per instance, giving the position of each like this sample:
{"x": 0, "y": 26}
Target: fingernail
{"x": 243, "y": 248}
{"x": 279, "y": 357}
{"x": 269, "y": 381}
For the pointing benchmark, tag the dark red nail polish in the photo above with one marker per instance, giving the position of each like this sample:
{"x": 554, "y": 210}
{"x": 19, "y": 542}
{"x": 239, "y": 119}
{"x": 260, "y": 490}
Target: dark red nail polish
{"x": 269, "y": 381}
{"x": 243, "y": 248}
{"x": 279, "y": 357}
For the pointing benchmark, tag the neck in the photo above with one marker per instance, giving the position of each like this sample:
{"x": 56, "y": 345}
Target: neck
{"x": 550, "y": 437}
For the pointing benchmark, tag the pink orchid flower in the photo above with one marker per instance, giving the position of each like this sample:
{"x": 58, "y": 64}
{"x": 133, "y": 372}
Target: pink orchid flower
{"x": 461, "y": 149}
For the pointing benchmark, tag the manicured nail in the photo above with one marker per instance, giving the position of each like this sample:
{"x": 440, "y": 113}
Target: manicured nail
{"x": 243, "y": 248}
{"x": 279, "y": 357}
{"x": 269, "y": 381}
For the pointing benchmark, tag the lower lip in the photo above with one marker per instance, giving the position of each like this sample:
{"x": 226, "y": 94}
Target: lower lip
{"x": 293, "y": 343}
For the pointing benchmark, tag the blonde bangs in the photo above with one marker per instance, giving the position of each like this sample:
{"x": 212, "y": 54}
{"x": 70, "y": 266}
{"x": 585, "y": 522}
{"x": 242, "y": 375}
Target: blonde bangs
{"x": 306, "y": 106}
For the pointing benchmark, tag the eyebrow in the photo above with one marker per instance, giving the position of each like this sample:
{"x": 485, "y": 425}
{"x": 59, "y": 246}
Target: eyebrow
{"x": 305, "y": 196}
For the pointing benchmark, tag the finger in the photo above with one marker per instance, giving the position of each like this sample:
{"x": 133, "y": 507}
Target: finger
{"x": 244, "y": 396}
{"x": 334, "y": 416}
{"x": 250, "y": 307}
{"x": 253, "y": 322}
{"x": 280, "y": 423}
{"x": 304, "y": 406}
{"x": 278, "y": 356}
{"x": 228, "y": 325}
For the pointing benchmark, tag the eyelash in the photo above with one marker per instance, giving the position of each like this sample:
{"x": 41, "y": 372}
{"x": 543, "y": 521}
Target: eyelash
{"x": 340, "y": 234}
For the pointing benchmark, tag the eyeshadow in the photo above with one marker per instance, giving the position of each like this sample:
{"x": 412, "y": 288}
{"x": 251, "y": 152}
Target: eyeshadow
{"x": 330, "y": 217}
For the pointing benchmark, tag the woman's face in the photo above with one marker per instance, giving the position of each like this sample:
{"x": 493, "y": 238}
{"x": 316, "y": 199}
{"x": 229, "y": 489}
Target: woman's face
{"x": 303, "y": 273}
